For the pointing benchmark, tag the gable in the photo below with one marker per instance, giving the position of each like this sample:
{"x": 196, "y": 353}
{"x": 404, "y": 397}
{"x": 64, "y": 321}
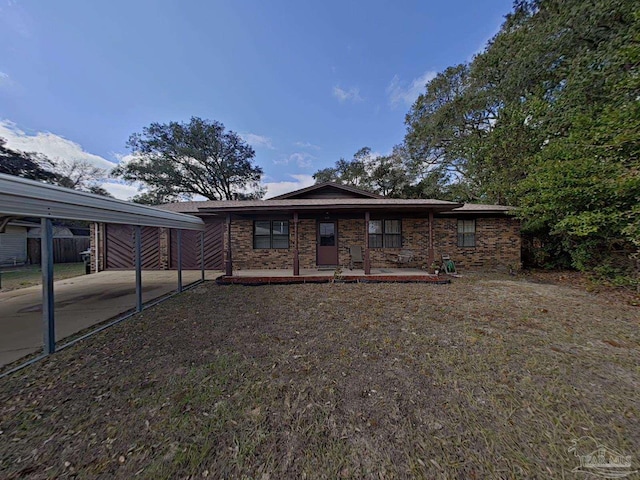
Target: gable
{"x": 327, "y": 190}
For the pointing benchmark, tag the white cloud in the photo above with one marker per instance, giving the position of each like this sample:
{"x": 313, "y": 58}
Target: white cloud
{"x": 352, "y": 94}
{"x": 307, "y": 145}
{"x": 278, "y": 188}
{"x": 121, "y": 190}
{"x": 257, "y": 141}
{"x": 400, "y": 92}
{"x": 4, "y": 78}
{"x": 55, "y": 147}
{"x": 301, "y": 159}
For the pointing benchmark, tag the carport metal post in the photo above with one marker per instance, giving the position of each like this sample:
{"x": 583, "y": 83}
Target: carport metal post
{"x": 179, "y": 241}
{"x": 48, "y": 308}
{"x": 138, "y": 249}
{"x": 202, "y": 255}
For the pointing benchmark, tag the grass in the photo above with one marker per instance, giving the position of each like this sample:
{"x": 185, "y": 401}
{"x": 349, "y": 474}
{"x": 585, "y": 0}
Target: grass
{"x": 31, "y": 275}
{"x": 483, "y": 378}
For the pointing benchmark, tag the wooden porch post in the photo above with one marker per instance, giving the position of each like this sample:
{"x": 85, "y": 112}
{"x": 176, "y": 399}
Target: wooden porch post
{"x": 296, "y": 257}
{"x": 228, "y": 264}
{"x": 431, "y": 253}
{"x": 367, "y": 262}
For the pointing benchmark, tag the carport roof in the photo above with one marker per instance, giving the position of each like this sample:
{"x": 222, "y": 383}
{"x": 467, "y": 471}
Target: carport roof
{"x": 20, "y": 197}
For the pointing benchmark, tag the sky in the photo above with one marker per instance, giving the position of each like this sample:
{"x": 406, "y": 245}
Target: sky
{"x": 305, "y": 83}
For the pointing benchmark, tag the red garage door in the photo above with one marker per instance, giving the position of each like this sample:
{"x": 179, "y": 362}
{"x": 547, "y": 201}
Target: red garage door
{"x": 213, "y": 255}
{"x": 120, "y": 247}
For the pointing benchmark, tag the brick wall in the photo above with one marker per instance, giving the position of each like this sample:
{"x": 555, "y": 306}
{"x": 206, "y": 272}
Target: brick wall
{"x": 497, "y": 243}
{"x": 415, "y": 238}
{"x": 351, "y": 232}
{"x": 163, "y": 242}
{"x": 245, "y": 257}
{"x": 92, "y": 246}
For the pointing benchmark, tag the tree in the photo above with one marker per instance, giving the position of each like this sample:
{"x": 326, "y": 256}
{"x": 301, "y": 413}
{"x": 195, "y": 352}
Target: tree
{"x": 195, "y": 158}
{"x": 154, "y": 198}
{"x": 99, "y": 190}
{"x": 354, "y": 172}
{"x": 546, "y": 118}
{"x": 26, "y": 165}
{"x": 388, "y": 174}
{"x": 80, "y": 175}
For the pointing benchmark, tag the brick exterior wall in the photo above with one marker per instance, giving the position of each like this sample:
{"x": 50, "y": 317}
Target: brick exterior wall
{"x": 498, "y": 243}
{"x": 92, "y": 246}
{"x": 415, "y": 238}
{"x": 163, "y": 240}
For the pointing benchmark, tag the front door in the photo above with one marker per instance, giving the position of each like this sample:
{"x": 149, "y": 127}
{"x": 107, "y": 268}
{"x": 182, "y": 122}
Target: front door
{"x": 327, "y": 243}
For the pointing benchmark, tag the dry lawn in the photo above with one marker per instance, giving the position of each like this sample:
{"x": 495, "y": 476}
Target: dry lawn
{"x": 483, "y": 378}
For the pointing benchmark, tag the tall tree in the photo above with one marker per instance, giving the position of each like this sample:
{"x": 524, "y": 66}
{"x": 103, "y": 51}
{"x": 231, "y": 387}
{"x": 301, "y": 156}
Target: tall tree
{"x": 546, "y": 118}
{"x": 388, "y": 174}
{"x": 25, "y": 165}
{"x": 195, "y": 158}
{"x": 80, "y": 175}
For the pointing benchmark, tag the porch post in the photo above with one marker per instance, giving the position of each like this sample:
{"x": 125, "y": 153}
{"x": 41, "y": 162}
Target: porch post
{"x": 431, "y": 253}
{"x": 296, "y": 257}
{"x": 228, "y": 263}
{"x": 367, "y": 262}
{"x": 46, "y": 265}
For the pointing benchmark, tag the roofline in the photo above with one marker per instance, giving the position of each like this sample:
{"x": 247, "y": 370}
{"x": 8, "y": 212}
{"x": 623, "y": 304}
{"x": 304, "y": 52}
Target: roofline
{"x": 504, "y": 210}
{"x": 20, "y": 197}
{"x": 316, "y": 186}
{"x": 329, "y": 207}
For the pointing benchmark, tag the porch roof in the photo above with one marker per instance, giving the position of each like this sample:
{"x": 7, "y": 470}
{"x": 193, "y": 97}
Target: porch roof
{"x": 312, "y": 204}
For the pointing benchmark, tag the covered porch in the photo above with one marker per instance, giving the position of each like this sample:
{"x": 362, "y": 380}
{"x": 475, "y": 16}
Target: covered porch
{"x": 304, "y": 240}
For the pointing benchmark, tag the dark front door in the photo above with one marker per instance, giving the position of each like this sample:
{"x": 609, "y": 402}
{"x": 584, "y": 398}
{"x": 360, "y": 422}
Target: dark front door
{"x": 327, "y": 243}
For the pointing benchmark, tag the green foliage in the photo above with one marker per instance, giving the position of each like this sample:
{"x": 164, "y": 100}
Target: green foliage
{"x": 386, "y": 175}
{"x": 179, "y": 160}
{"x": 547, "y": 118}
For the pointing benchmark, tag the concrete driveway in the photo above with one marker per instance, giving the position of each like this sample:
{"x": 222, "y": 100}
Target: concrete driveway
{"x": 79, "y": 303}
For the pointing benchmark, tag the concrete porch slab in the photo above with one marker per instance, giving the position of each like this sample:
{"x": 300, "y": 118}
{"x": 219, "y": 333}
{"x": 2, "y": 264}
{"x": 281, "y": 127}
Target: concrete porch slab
{"x": 377, "y": 275}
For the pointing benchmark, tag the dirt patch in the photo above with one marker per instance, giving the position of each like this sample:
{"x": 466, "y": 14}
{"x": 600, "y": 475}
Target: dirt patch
{"x": 483, "y": 378}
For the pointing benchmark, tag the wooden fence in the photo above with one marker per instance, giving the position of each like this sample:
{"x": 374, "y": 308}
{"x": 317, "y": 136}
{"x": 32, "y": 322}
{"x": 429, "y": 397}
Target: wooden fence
{"x": 65, "y": 250}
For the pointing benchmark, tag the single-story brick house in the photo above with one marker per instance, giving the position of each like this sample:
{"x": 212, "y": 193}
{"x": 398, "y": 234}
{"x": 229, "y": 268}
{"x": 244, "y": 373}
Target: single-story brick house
{"x": 315, "y": 227}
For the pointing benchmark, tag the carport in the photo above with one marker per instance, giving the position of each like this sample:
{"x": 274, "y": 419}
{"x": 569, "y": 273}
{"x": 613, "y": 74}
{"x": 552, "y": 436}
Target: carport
{"x": 26, "y": 198}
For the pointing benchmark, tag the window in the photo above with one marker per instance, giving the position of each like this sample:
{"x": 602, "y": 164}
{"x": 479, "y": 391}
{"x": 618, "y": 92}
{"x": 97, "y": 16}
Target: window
{"x": 271, "y": 234}
{"x": 466, "y": 233}
{"x": 385, "y": 234}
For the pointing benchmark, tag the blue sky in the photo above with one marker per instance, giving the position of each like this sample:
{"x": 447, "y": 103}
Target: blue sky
{"x": 304, "y": 82}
